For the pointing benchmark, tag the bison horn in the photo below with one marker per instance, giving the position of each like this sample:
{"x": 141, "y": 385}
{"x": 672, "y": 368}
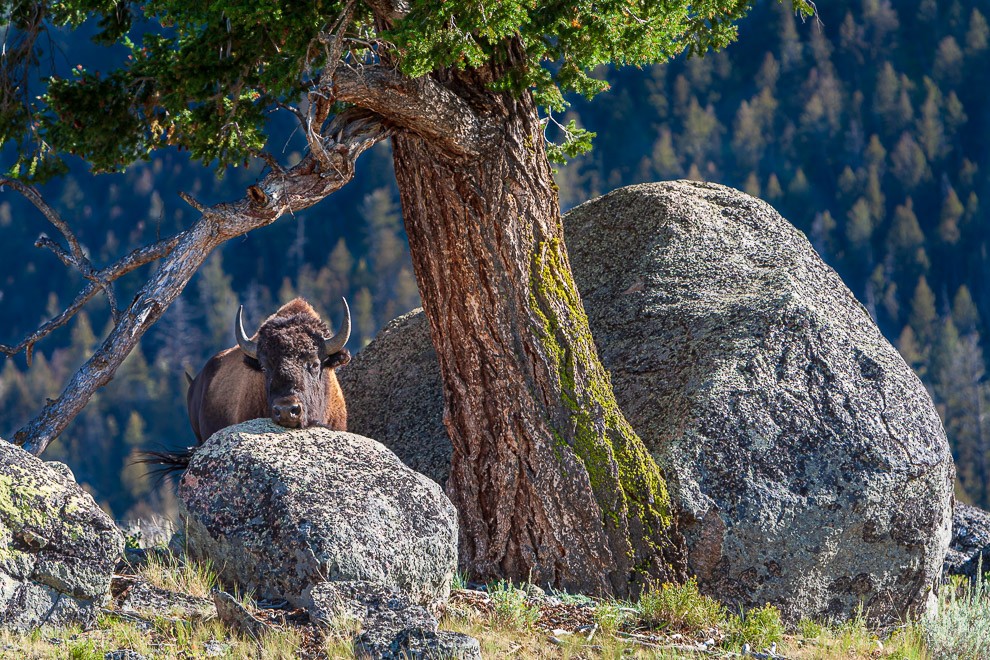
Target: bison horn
{"x": 248, "y": 346}
{"x": 335, "y": 343}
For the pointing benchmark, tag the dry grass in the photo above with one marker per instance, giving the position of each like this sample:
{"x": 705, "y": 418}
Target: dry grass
{"x": 668, "y": 622}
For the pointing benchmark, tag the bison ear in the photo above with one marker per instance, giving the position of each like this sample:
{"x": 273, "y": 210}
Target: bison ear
{"x": 338, "y": 359}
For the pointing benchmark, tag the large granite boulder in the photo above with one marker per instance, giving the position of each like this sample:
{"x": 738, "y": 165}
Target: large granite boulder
{"x": 279, "y": 511}
{"x": 807, "y": 460}
{"x": 398, "y": 395}
{"x": 58, "y": 549}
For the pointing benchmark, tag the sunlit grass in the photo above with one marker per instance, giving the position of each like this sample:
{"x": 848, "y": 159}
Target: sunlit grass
{"x": 194, "y": 578}
{"x": 680, "y": 606}
{"x": 669, "y": 621}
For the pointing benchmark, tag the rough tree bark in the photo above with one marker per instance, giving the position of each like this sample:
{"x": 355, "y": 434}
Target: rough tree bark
{"x": 550, "y": 481}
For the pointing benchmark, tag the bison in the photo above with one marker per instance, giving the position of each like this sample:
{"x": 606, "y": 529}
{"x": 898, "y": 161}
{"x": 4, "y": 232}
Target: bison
{"x": 285, "y": 371}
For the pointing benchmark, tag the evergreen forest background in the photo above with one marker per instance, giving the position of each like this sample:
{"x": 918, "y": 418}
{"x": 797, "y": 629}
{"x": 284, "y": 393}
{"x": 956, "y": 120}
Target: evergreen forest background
{"x": 869, "y": 130}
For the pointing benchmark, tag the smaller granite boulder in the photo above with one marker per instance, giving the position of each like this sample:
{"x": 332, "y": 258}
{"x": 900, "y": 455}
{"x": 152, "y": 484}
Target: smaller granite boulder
{"x": 391, "y": 626}
{"x": 58, "y": 549}
{"x": 969, "y": 549}
{"x": 282, "y": 510}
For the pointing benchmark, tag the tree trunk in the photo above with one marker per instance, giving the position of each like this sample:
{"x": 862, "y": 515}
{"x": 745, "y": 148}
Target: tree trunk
{"x": 551, "y": 483}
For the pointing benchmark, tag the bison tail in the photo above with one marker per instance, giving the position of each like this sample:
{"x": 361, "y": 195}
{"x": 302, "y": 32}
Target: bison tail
{"x": 164, "y": 463}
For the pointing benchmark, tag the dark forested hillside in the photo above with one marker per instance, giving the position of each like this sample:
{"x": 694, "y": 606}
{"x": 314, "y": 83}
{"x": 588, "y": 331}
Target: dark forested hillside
{"x": 867, "y": 129}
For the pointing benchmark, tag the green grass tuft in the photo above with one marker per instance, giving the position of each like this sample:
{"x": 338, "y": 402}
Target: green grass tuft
{"x": 511, "y": 607}
{"x": 758, "y": 627}
{"x": 680, "y": 606}
{"x": 608, "y": 616}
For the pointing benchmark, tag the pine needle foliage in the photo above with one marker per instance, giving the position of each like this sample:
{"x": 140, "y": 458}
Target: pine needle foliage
{"x": 204, "y": 76}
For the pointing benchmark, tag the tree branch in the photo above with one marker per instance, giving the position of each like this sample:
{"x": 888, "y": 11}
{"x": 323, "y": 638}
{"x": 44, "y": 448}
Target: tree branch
{"x": 347, "y": 137}
{"x": 420, "y": 105}
{"x": 76, "y": 257}
{"x": 131, "y": 262}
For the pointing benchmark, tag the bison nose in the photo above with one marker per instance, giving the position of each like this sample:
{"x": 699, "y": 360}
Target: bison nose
{"x": 287, "y": 413}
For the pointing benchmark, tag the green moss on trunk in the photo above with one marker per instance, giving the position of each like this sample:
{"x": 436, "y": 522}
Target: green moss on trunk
{"x": 626, "y": 481}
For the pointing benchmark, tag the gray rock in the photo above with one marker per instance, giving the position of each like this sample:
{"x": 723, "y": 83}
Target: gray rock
{"x": 149, "y": 601}
{"x": 374, "y": 605}
{"x": 281, "y": 510}
{"x": 443, "y": 644}
{"x": 61, "y": 468}
{"x": 808, "y": 461}
{"x": 58, "y": 549}
{"x": 392, "y": 627}
{"x": 123, "y": 654}
{"x": 969, "y": 550}
{"x": 396, "y": 395}
{"x": 237, "y": 616}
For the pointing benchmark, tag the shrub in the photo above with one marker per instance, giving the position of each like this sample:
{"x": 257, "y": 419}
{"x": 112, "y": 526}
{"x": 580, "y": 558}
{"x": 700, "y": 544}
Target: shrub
{"x": 511, "y": 608}
{"x": 680, "y": 606}
{"x": 759, "y": 628}
{"x": 961, "y": 627}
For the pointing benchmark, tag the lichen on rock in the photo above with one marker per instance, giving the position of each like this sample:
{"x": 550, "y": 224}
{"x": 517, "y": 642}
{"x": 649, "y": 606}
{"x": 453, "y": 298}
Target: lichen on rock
{"x": 58, "y": 549}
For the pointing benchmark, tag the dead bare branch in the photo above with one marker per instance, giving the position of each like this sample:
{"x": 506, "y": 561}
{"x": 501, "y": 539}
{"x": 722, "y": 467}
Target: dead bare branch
{"x": 277, "y": 193}
{"x": 131, "y": 262}
{"x": 76, "y": 257}
{"x": 320, "y": 100}
{"x": 188, "y": 199}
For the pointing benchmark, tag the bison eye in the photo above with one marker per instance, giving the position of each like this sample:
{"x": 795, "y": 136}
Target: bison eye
{"x": 314, "y": 367}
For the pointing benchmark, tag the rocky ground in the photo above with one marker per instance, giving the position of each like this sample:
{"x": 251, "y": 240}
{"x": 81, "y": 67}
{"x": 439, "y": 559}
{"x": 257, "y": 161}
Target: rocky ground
{"x": 165, "y": 606}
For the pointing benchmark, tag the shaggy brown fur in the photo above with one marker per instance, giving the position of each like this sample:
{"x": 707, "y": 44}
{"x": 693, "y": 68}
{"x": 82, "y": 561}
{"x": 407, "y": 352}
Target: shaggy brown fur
{"x": 233, "y": 387}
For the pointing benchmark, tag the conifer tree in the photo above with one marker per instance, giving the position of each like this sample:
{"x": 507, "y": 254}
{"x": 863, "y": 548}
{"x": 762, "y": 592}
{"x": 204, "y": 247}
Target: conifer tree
{"x": 849, "y": 185}
{"x": 769, "y": 73}
{"x": 699, "y": 138}
{"x": 859, "y": 225}
{"x": 944, "y": 351}
{"x": 823, "y": 234}
{"x": 216, "y": 300}
{"x": 964, "y": 312}
{"x": 948, "y": 62}
{"x": 950, "y": 217}
{"x": 911, "y": 350}
{"x": 906, "y": 245}
{"x": 977, "y": 34}
{"x": 752, "y": 185}
{"x": 923, "y": 315}
{"x": 364, "y": 315}
{"x": 773, "y": 190}
{"x": 748, "y": 137}
{"x": 908, "y": 163}
{"x": 875, "y": 154}
{"x": 341, "y": 263}
{"x": 665, "y": 160}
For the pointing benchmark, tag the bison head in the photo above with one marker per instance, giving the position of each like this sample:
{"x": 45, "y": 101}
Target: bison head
{"x": 297, "y": 359}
